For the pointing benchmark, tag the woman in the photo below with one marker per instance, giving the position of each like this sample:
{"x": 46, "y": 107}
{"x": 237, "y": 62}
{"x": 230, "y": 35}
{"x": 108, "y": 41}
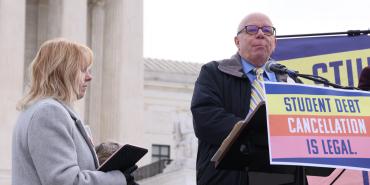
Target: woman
{"x": 50, "y": 144}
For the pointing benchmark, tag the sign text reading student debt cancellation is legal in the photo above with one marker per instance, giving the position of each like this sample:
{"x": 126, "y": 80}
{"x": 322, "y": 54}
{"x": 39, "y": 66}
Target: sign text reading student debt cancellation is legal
{"x": 318, "y": 126}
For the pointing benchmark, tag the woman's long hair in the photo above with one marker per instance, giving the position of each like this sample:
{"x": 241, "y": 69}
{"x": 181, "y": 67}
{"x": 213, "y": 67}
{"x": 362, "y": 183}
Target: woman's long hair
{"x": 55, "y": 71}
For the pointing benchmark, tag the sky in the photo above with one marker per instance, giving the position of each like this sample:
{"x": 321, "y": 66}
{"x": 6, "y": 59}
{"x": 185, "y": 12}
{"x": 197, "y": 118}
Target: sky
{"x": 203, "y": 30}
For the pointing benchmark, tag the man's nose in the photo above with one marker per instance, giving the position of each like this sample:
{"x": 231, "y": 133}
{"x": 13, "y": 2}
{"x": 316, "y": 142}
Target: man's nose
{"x": 260, "y": 33}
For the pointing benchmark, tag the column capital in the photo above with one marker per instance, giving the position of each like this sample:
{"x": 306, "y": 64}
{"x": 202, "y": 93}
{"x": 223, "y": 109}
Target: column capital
{"x": 97, "y": 2}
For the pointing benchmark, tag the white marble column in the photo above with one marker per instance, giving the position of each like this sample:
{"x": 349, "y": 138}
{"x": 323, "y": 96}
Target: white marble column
{"x": 12, "y": 37}
{"x": 31, "y": 39}
{"x": 96, "y": 35}
{"x": 122, "y": 96}
{"x": 68, "y": 19}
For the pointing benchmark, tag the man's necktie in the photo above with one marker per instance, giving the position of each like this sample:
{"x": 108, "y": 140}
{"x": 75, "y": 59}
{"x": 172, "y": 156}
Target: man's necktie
{"x": 257, "y": 94}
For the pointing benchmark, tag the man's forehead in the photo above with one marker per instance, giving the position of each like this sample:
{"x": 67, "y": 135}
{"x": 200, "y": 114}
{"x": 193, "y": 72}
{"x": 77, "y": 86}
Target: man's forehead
{"x": 257, "y": 19}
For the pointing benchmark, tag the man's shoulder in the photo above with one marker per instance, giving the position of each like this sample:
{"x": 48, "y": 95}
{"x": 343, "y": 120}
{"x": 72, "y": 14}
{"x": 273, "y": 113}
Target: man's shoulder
{"x": 212, "y": 64}
{"x": 216, "y": 63}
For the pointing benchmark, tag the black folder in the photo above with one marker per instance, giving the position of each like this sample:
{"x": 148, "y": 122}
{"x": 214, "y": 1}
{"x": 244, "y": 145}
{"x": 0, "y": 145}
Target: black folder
{"x": 125, "y": 157}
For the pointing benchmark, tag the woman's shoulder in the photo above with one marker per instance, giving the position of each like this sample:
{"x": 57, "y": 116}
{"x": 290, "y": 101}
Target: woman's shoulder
{"x": 47, "y": 103}
{"x": 44, "y": 112}
{"x": 47, "y": 107}
{"x": 49, "y": 113}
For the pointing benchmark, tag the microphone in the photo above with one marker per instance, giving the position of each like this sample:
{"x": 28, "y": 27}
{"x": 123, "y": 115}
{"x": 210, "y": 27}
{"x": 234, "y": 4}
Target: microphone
{"x": 271, "y": 66}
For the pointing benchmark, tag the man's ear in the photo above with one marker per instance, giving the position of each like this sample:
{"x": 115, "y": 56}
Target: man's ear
{"x": 273, "y": 49}
{"x": 236, "y": 41}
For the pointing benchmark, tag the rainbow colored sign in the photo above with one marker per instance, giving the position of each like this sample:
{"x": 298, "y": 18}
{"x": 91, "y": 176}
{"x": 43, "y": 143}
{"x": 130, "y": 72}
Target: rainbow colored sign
{"x": 318, "y": 126}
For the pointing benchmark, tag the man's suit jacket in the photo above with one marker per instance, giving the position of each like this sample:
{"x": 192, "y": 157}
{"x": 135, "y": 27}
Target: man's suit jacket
{"x": 51, "y": 147}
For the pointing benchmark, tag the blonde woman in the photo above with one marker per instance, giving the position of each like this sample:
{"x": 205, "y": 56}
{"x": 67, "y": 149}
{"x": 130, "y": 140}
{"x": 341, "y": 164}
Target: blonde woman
{"x": 50, "y": 143}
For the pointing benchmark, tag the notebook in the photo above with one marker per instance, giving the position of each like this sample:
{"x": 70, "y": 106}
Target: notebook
{"x": 125, "y": 157}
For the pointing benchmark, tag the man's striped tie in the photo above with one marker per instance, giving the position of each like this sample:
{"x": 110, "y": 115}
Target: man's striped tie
{"x": 257, "y": 94}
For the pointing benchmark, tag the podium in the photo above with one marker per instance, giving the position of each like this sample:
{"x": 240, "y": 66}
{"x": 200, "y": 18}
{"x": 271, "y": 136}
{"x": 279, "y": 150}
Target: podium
{"x": 246, "y": 148}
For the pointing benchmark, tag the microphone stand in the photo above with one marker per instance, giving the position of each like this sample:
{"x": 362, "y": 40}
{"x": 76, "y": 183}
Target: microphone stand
{"x": 320, "y": 80}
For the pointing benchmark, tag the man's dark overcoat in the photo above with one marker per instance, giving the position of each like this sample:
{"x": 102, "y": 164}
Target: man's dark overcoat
{"x": 221, "y": 98}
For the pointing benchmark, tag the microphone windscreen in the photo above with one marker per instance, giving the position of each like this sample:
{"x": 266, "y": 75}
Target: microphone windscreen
{"x": 268, "y": 66}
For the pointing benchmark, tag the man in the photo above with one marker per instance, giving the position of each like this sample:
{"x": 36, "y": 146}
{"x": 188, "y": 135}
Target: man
{"x": 222, "y": 96}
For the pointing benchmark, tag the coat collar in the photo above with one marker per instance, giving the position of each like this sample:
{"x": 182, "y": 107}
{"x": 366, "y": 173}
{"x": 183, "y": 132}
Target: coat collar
{"x": 234, "y": 67}
{"x": 81, "y": 127}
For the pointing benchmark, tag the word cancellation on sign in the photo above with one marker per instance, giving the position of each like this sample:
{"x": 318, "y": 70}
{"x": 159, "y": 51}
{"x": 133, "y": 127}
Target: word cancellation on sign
{"x": 341, "y": 118}
{"x": 324, "y": 124}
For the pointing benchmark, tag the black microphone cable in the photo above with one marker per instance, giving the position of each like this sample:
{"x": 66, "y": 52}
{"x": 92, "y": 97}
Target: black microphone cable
{"x": 337, "y": 177}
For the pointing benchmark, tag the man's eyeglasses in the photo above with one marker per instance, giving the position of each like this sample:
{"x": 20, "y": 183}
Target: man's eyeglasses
{"x": 253, "y": 29}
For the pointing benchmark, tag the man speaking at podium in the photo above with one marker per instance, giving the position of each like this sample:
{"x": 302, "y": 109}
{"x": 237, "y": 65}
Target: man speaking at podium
{"x": 223, "y": 94}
